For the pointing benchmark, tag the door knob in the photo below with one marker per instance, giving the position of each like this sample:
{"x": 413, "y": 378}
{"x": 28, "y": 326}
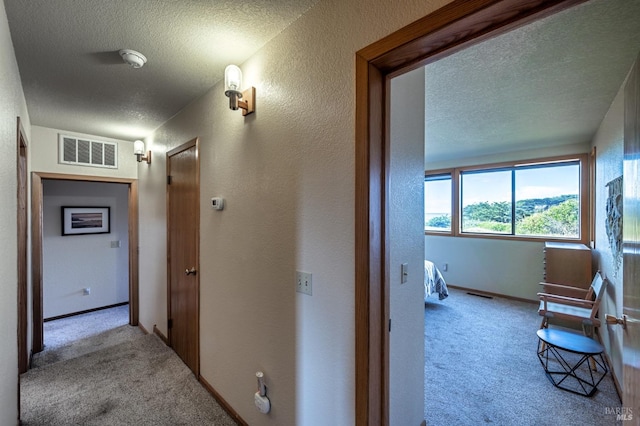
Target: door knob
{"x": 191, "y": 271}
{"x": 612, "y": 320}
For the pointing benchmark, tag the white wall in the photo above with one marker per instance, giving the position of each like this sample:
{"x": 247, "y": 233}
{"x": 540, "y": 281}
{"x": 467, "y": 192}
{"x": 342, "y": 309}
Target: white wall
{"x": 287, "y": 173}
{"x": 73, "y": 262}
{"x": 609, "y": 143}
{"x": 12, "y": 105}
{"x": 406, "y": 237}
{"x": 44, "y": 155}
{"x": 527, "y": 154}
{"x": 512, "y": 268}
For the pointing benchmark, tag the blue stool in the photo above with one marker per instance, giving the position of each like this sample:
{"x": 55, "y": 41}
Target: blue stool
{"x": 559, "y": 368}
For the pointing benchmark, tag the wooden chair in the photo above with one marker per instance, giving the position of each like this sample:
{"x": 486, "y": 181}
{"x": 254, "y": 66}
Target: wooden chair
{"x": 582, "y": 310}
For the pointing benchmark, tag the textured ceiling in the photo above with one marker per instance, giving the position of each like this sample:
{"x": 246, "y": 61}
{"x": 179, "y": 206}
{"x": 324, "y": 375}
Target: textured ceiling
{"x": 74, "y": 79}
{"x": 545, "y": 84}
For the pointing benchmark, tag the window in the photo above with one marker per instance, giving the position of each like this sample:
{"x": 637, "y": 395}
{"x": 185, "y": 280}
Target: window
{"x": 486, "y": 202}
{"x": 437, "y": 203}
{"x": 547, "y": 200}
{"x": 536, "y": 199}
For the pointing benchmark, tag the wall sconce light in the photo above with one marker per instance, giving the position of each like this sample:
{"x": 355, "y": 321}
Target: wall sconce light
{"x": 232, "y": 86}
{"x": 138, "y": 150}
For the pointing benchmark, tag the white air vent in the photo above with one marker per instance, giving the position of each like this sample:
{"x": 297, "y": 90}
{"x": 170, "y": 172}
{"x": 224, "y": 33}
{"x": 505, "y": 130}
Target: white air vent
{"x": 84, "y": 152}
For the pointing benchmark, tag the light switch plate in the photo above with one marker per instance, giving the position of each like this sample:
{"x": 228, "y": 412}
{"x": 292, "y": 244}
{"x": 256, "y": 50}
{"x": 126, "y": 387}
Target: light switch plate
{"x": 303, "y": 282}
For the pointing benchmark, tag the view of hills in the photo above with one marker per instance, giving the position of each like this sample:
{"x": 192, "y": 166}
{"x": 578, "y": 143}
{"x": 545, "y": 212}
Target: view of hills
{"x": 552, "y": 216}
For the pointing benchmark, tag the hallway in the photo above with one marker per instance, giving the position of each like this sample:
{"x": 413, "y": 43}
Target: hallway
{"x": 113, "y": 374}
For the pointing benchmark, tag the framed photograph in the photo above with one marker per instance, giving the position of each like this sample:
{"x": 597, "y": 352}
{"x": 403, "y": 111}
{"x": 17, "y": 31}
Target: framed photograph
{"x": 85, "y": 220}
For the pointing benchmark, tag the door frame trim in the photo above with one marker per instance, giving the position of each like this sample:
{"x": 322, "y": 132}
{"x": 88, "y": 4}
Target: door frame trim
{"x": 23, "y": 232}
{"x": 195, "y": 142}
{"x": 37, "y": 250}
{"x": 449, "y": 29}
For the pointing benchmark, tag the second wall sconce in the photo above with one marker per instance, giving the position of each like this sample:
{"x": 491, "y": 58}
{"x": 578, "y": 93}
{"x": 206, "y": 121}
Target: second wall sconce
{"x": 138, "y": 150}
{"x": 232, "y": 89}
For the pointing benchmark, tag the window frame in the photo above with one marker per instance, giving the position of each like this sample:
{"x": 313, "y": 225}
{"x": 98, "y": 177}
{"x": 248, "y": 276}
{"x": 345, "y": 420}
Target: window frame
{"x": 585, "y": 198}
{"x": 454, "y": 185}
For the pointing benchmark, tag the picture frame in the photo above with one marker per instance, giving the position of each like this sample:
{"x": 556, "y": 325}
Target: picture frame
{"x": 86, "y": 220}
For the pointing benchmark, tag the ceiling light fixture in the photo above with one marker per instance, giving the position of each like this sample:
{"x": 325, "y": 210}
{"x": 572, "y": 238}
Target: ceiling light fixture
{"x": 133, "y": 58}
{"x": 232, "y": 89}
{"x": 138, "y": 150}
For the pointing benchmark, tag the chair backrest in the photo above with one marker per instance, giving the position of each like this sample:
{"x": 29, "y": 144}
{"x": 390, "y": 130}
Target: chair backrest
{"x": 597, "y": 286}
{"x": 597, "y": 291}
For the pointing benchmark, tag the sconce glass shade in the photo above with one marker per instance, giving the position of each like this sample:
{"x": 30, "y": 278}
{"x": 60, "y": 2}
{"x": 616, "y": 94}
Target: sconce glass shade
{"x": 232, "y": 79}
{"x": 139, "y": 151}
{"x": 138, "y": 147}
{"x": 232, "y": 89}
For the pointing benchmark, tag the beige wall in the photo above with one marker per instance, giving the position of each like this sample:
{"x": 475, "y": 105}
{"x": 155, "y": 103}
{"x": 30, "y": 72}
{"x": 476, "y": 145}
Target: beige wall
{"x": 287, "y": 174}
{"x": 44, "y": 156}
{"x": 609, "y": 145}
{"x": 12, "y": 105}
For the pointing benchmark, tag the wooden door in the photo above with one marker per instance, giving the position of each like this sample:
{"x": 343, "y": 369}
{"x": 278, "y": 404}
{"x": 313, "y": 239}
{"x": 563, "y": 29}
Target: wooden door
{"x": 631, "y": 247}
{"x": 183, "y": 182}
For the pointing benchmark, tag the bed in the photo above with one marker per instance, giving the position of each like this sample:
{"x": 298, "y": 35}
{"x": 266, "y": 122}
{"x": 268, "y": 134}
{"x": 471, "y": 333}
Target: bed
{"x": 434, "y": 282}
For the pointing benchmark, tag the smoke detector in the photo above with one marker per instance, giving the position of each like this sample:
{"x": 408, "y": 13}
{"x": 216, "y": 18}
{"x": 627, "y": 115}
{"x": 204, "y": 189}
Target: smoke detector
{"x": 133, "y": 58}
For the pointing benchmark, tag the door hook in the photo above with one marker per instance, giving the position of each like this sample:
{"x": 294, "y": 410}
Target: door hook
{"x": 612, "y": 320}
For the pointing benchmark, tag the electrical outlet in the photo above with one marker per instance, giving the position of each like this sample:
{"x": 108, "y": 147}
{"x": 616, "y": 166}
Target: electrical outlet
{"x": 303, "y": 282}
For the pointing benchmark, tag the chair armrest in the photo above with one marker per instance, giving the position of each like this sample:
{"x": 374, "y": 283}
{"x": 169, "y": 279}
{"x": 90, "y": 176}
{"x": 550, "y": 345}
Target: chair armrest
{"x": 546, "y": 297}
{"x": 564, "y": 287}
{"x": 551, "y": 288}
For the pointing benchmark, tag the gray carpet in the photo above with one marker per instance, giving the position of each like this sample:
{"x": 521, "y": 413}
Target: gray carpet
{"x": 481, "y": 367}
{"x": 115, "y": 377}
{"x": 65, "y": 331}
{"x": 72, "y": 337}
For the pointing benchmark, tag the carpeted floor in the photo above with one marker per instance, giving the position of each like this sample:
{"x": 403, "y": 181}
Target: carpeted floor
{"x": 72, "y": 337}
{"x": 481, "y": 367}
{"x": 112, "y": 376}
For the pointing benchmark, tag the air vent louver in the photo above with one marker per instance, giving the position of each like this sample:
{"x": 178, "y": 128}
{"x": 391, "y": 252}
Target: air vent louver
{"x": 88, "y": 153}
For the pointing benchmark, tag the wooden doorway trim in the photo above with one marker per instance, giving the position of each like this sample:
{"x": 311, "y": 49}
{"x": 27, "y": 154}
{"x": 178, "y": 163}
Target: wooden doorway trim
{"x": 454, "y": 27}
{"x": 36, "y": 242}
{"x": 23, "y": 355}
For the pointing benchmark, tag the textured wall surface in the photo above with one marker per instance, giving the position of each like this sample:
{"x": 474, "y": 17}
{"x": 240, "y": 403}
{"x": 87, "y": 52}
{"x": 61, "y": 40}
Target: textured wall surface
{"x": 287, "y": 175}
{"x": 609, "y": 143}
{"x": 45, "y": 155}
{"x": 406, "y": 236}
{"x": 74, "y": 262}
{"x": 12, "y": 104}
{"x": 512, "y": 268}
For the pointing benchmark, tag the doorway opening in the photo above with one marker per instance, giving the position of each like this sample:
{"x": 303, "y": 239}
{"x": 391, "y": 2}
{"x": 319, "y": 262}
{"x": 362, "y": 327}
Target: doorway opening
{"x": 450, "y": 29}
{"x": 38, "y": 235}
{"x": 23, "y": 354}
{"x": 85, "y": 256}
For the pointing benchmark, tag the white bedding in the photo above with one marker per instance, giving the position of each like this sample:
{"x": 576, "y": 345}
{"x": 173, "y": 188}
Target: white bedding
{"x": 434, "y": 281}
